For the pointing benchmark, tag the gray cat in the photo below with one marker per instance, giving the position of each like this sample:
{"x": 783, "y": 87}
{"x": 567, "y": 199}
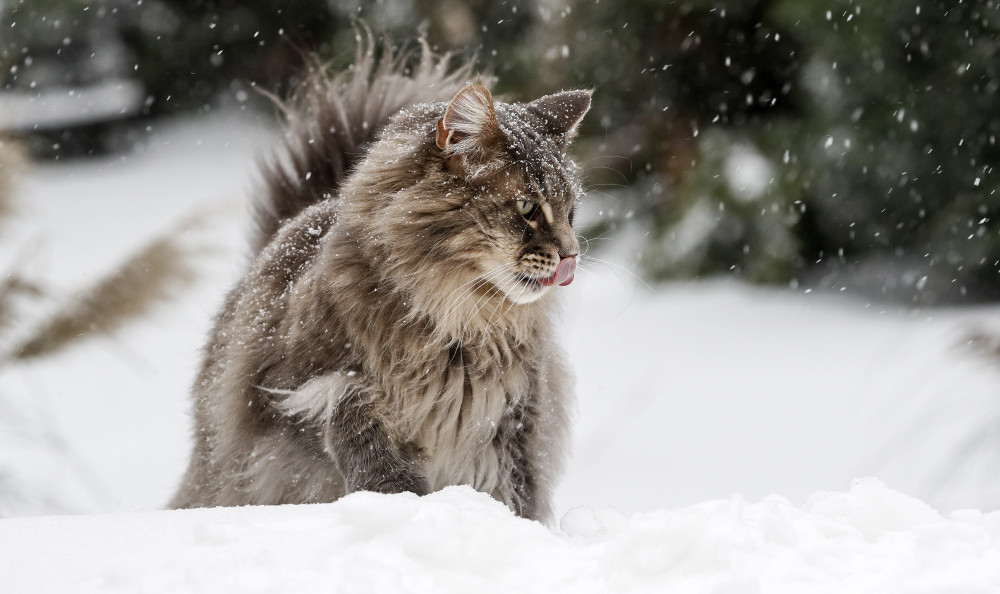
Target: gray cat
{"x": 393, "y": 333}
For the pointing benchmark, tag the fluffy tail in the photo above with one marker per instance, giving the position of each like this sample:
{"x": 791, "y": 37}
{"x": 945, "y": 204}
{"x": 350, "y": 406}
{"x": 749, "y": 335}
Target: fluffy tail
{"x": 332, "y": 117}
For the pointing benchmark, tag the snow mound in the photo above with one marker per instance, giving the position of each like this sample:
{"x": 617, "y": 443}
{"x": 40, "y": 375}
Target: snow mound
{"x": 868, "y": 539}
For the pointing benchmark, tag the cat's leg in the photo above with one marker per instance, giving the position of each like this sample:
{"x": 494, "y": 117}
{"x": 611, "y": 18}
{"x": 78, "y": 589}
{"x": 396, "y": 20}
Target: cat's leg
{"x": 532, "y": 441}
{"x": 519, "y": 489}
{"x": 369, "y": 459}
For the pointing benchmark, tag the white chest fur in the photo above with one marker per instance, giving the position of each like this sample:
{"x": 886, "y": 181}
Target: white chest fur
{"x": 457, "y": 433}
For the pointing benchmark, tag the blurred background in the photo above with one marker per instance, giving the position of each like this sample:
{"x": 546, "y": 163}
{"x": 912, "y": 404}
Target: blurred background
{"x": 792, "y": 226}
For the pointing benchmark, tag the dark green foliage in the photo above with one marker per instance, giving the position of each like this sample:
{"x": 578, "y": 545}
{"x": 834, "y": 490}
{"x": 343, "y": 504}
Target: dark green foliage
{"x": 870, "y": 129}
{"x": 759, "y": 137}
{"x": 881, "y": 144}
{"x": 895, "y": 150}
{"x": 671, "y": 72}
{"x": 187, "y": 51}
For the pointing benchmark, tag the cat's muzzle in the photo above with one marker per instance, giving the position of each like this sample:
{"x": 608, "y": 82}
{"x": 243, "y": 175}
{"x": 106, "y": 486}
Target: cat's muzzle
{"x": 563, "y": 274}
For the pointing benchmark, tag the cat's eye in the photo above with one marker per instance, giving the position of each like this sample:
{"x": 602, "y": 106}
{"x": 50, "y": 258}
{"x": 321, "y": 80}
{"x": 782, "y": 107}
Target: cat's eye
{"x": 526, "y": 208}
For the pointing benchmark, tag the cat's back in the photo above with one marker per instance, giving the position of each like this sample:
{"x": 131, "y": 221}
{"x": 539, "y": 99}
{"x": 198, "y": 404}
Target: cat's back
{"x": 233, "y": 419}
{"x": 255, "y": 316}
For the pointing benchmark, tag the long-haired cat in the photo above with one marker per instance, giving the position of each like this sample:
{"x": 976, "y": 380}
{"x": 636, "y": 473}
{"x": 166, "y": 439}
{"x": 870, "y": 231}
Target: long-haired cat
{"x": 393, "y": 333}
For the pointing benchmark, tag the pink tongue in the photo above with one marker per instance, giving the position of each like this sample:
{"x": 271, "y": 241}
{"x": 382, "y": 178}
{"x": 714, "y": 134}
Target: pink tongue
{"x": 564, "y": 273}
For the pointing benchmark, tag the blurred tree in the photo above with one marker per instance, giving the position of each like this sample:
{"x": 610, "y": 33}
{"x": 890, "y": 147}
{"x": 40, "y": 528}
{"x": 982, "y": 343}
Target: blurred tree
{"x": 894, "y": 155}
{"x": 189, "y": 51}
{"x": 92, "y": 65}
{"x": 760, "y": 136}
{"x": 665, "y": 73}
{"x": 770, "y": 136}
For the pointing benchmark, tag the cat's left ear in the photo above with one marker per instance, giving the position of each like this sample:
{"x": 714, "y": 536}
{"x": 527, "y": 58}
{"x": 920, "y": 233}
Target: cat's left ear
{"x": 562, "y": 112}
{"x": 470, "y": 122}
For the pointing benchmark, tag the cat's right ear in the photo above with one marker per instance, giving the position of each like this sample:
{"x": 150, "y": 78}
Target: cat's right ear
{"x": 469, "y": 125}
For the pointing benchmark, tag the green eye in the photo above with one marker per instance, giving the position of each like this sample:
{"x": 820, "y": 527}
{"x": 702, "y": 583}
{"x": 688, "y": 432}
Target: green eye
{"x": 525, "y": 207}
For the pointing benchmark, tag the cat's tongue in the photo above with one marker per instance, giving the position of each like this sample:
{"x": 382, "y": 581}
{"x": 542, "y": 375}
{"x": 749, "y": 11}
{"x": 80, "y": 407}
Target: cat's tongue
{"x": 563, "y": 274}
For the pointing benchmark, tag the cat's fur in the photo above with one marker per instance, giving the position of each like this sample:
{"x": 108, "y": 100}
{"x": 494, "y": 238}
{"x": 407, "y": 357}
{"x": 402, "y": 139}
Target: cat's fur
{"x": 394, "y": 333}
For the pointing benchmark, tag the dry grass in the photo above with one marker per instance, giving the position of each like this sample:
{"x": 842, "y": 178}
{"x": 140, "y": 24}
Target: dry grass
{"x": 11, "y": 288}
{"x": 12, "y": 284}
{"x": 150, "y": 276}
{"x": 153, "y": 274}
{"x": 12, "y": 163}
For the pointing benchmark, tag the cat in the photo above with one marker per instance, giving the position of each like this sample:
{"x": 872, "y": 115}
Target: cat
{"x": 394, "y": 332}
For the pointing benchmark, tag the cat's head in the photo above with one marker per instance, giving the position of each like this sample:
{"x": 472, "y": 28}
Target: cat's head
{"x": 511, "y": 160}
{"x": 472, "y": 200}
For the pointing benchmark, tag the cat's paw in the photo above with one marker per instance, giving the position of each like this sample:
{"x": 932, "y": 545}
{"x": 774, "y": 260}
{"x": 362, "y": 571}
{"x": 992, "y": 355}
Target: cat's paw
{"x": 402, "y": 483}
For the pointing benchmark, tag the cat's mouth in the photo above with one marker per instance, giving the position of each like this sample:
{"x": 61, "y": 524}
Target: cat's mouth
{"x": 531, "y": 283}
{"x": 562, "y": 276}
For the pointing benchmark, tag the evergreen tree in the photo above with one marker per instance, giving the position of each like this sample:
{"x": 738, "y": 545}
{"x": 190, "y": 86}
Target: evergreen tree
{"x": 762, "y": 137}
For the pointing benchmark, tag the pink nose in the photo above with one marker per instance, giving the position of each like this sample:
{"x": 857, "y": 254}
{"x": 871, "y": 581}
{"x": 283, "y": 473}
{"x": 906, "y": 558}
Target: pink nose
{"x": 565, "y": 271}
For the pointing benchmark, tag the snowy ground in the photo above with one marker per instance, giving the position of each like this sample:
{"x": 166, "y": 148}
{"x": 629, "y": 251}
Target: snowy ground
{"x": 867, "y": 540}
{"x": 689, "y": 393}
{"x": 703, "y": 390}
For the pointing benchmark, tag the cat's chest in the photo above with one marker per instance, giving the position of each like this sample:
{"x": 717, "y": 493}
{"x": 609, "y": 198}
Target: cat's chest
{"x": 459, "y": 415}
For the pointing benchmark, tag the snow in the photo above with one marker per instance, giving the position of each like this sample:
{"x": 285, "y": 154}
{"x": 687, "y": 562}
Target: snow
{"x": 694, "y": 400}
{"x": 868, "y": 539}
{"x": 703, "y": 390}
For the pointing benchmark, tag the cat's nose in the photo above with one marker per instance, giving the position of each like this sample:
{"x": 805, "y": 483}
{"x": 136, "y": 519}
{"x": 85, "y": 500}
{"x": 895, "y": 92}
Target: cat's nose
{"x": 567, "y": 246}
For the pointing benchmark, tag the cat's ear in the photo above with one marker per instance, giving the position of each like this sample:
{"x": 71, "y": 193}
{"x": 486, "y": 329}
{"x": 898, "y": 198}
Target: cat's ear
{"x": 562, "y": 112}
{"x": 469, "y": 123}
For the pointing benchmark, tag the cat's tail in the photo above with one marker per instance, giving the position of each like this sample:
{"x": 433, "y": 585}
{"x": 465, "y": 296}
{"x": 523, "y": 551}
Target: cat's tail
{"x": 332, "y": 117}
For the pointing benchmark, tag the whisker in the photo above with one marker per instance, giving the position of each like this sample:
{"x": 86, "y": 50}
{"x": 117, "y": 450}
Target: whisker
{"x": 600, "y": 237}
{"x": 464, "y": 298}
{"x": 619, "y": 266}
{"x": 467, "y": 290}
{"x": 481, "y": 277}
{"x": 592, "y": 187}
{"x": 483, "y": 229}
{"x": 494, "y": 291}
{"x": 424, "y": 259}
{"x": 489, "y": 322}
{"x": 476, "y": 283}
{"x": 620, "y": 173}
{"x": 611, "y": 197}
{"x": 589, "y": 240}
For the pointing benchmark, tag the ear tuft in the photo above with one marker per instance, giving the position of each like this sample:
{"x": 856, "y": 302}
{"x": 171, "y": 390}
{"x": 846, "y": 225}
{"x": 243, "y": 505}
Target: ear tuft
{"x": 469, "y": 115}
{"x": 562, "y": 112}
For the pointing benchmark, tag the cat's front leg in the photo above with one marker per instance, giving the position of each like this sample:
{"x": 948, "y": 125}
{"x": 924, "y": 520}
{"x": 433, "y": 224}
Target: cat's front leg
{"x": 368, "y": 457}
{"x": 519, "y": 490}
